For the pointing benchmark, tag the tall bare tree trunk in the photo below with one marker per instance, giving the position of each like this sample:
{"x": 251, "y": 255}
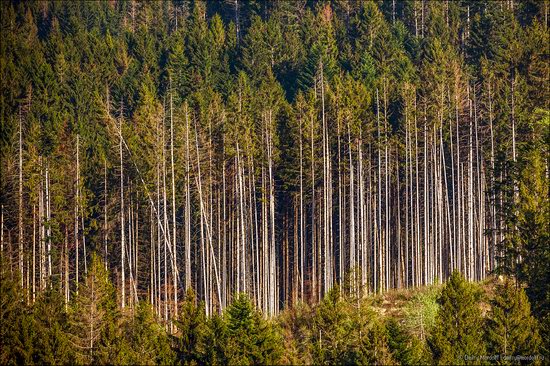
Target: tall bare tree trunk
{"x": 187, "y": 226}
{"x": 2, "y": 231}
{"x": 302, "y": 218}
{"x": 174, "y": 236}
{"x": 33, "y": 249}
{"x": 313, "y": 280}
{"x": 42, "y": 225}
{"x": 122, "y": 226}
{"x": 165, "y": 226}
{"x": 105, "y": 217}
{"x": 48, "y": 220}
{"x": 20, "y": 211}
{"x": 378, "y": 245}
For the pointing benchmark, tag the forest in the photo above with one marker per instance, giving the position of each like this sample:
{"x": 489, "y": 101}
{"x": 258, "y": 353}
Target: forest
{"x": 275, "y": 182}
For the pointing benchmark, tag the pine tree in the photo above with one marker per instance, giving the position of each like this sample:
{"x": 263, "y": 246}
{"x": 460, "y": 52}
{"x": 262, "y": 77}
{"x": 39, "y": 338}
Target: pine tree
{"x": 524, "y": 250}
{"x": 178, "y": 69}
{"x": 250, "y": 339}
{"x": 93, "y": 318}
{"x": 458, "y": 334}
{"x": 332, "y": 331}
{"x": 511, "y": 329}
{"x": 148, "y": 342}
{"x": 16, "y": 324}
{"x": 192, "y": 327}
{"x": 346, "y": 334}
{"x": 215, "y": 342}
{"x": 532, "y": 225}
{"x": 52, "y": 344}
{"x": 406, "y": 349}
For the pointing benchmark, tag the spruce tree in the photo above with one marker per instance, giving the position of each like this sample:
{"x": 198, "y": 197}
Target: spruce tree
{"x": 525, "y": 250}
{"x": 93, "y": 318}
{"x": 371, "y": 338}
{"x": 52, "y": 345}
{"x": 215, "y": 342}
{"x": 332, "y": 330}
{"x": 405, "y": 348}
{"x": 192, "y": 327}
{"x": 458, "y": 334}
{"x": 16, "y": 326}
{"x": 511, "y": 329}
{"x": 251, "y": 339}
{"x": 147, "y": 340}
{"x": 346, "y": 334}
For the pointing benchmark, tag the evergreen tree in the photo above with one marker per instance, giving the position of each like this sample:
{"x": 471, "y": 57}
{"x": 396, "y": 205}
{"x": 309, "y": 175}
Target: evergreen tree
{"x": 346, "y": 334}
{"x": 148, "y": 341}
{"x": 323, "y": 53}
{"x": 215, "y": 342}
{"x": 192, "y": 326}
{"x": 511, "y": 329}
{"x": 458, "y": 334}
{"x": 372, "y": 342}
{"x": 93, "y": 318}
{"x": 406, "y": 349}
{"x": 332, "y": 332}
{"x": 250, "y": 339}
{"x": 178, "y": 69}
{"x": 525, "y": 250}
{"x": 52, "y": 345}
{"x": 530, "y": 219}
{"x": 16, "y": 323}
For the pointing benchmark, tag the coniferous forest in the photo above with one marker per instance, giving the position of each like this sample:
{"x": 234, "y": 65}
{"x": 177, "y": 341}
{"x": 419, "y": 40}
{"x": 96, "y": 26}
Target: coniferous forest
{"x": 275, "y": 182}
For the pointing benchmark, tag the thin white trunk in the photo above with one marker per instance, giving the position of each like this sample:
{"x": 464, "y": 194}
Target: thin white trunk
{"x": 352, "y": 249}
{"x": 302, "y": 219}
{"x": 122, "y": 226}
{"x": 378, "y": 268}
{"x": 20, "y": 211}
{"x": 105, "y": 218}
{"x": 174, "y": 236}
{"x": 166, "y": 231}
{"x": 187, "y": 205}
{"x": 48, "y": 220}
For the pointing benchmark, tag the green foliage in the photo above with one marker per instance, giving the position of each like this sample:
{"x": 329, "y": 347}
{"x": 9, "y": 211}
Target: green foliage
{"x": 93, "y": 318}
{"x": 346, "y": 334}
{"x": 511, "y": 329}
{"x": 215, "y": 341}
{"x": 532, "y": 219}
{"x": 16, "y": 325}
{"x": 421, "y": 312}
{"x": 458, "y": 334}
{"x": 525, "y": 249}
{"x": 405, "y": 348}
{"x": 250, "y": 339}
{"x": 239, "y": 336}
{"x": 332, "y": 330}
{"x": 178, "y": 70}
{"x": 52, "y": 344}
{"x": 147, "y": 340}
{"x": 192, "y": 329}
